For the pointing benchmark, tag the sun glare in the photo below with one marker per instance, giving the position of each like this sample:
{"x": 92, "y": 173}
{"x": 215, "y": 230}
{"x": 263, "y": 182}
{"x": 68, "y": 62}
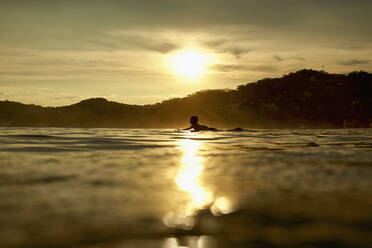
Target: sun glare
{"x": 189, "y": 63}
{"x": 188, "y": 178}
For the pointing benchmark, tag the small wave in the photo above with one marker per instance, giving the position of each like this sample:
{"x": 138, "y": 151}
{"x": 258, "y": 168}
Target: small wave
{"x": 308, "y": 144}
{"x": 30, "y": 136}
{"x": 6, "y": 180}
{"x": 39, "y": 149}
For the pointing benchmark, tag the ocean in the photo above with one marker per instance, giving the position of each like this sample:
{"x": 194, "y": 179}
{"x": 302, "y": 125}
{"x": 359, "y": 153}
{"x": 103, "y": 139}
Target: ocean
{"x": 127, "y": 188}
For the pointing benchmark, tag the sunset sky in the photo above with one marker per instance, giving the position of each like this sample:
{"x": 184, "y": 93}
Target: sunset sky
{"x": 144, "y": 51}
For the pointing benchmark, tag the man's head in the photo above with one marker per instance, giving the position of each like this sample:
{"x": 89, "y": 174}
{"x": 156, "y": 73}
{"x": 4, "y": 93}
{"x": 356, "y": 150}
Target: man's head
{"x": 193, "y": 120}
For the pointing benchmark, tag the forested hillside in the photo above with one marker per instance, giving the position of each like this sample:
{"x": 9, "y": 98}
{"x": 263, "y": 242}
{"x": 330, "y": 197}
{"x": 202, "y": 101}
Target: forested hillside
{"x": 305, "y": 99}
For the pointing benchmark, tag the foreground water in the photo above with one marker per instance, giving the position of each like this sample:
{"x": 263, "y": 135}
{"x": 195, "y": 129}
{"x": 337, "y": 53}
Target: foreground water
{"x": 122, "y": 188}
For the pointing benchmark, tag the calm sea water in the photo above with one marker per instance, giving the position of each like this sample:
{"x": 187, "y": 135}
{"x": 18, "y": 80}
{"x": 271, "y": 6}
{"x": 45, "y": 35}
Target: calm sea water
{"x": 124, "y": 188}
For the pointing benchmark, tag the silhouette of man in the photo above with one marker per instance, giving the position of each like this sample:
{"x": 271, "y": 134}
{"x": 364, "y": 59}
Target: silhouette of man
{"x": 195, "y": 126}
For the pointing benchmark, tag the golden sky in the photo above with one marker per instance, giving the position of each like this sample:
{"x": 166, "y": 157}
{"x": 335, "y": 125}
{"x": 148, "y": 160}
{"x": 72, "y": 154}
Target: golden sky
{"x": 144, "y": 51}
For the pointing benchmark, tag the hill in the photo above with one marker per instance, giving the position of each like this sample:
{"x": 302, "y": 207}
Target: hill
{"x": 307, "y": 98}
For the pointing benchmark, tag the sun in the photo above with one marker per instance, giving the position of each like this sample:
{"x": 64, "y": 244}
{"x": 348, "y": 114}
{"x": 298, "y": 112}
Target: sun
{"x": 189, "y": 63}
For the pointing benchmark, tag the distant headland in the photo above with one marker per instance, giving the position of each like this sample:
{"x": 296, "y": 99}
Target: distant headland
{"x": 304, "y": 99}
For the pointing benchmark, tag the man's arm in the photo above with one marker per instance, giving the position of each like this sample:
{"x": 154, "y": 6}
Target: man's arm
{"x": 188, "y": 128}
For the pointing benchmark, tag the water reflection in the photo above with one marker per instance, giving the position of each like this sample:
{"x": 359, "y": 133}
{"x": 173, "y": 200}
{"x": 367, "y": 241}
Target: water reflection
{"x": 191, "y": 242}
{"x": 188, "y": 178}
{"x": 222, "y": 205}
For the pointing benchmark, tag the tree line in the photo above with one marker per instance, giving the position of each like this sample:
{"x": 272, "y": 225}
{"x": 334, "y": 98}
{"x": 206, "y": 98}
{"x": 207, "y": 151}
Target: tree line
{"x": 303, "y": 99}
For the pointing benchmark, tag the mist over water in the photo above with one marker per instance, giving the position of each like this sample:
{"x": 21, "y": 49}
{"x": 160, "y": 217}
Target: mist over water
{"x": 122, "y": 188}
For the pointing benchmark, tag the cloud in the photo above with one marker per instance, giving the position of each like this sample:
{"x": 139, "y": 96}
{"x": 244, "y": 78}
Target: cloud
{"x": 353, "y": 62}
{"x": 229, "y": 68}
{"x": 265, "y": 68}
{"x": 18, "y": 53}
{"x": 348, "y": 47}
{"x": 226, "y": 46}
{"x": 60, "y": 60}
{"x": 277, "y": 58}
{"x": 121, "y": 40}
{"x": 38, "y": 95}
{"x": 299, "y": 58}
{"x": 238, "y": 52}
{"x": 38, "y": 23}
{"x": 127, "y": 41}
{"x": 160, "y": 47}
{"x": 214, "y": 43}
{"x": 19, "y": 73}
{"x": 238, "y": 68}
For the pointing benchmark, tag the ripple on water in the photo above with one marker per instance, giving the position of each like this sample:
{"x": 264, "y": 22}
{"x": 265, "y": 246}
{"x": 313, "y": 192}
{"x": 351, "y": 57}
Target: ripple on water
{"x": 165, "y": 188}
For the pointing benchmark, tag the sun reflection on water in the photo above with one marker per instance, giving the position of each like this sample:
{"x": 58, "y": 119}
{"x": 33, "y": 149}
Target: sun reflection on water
{"x": 188, "y": 178}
